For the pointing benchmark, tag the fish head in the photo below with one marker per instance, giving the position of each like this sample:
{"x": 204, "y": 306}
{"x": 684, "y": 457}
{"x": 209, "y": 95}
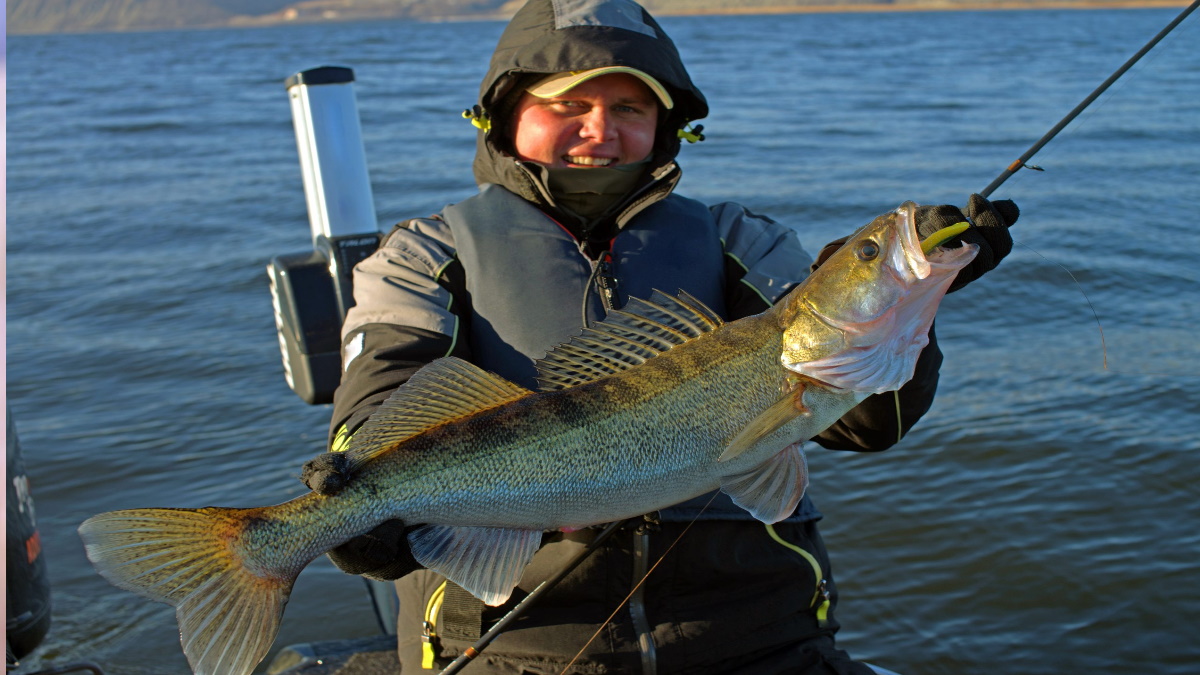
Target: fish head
{"x": 861, "y": 319}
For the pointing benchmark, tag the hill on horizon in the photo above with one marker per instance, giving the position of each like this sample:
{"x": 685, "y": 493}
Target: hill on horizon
{"x": 79, "y": 16}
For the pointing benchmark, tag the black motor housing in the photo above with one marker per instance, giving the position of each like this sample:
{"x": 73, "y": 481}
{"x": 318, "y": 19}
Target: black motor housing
{"x": 28, "y": 593}
{"x": 312, "y": 292}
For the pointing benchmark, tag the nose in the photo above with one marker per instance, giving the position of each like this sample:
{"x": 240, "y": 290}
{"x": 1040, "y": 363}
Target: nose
{"x": 598, "y": 125}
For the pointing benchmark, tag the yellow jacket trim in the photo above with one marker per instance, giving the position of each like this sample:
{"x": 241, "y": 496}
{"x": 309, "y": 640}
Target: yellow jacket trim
{"x": 821, "y": 598}
{"x": 429, "y": 631}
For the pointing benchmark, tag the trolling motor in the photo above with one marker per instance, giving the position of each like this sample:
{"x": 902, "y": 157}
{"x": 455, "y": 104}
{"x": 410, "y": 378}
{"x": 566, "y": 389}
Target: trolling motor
{"x": 312, "y": 291}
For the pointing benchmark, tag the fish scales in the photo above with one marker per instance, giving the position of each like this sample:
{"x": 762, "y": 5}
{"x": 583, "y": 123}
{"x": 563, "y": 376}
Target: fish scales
{"x": 592, "y": 457}
{"x": 484, "y": 467}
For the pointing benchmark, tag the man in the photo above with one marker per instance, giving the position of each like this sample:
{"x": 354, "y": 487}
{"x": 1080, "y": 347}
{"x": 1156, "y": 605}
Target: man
{"x": 580, "y": 117}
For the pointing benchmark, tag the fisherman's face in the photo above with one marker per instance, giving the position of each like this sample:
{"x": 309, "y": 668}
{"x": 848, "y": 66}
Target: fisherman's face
{"x": 606, "y": 121}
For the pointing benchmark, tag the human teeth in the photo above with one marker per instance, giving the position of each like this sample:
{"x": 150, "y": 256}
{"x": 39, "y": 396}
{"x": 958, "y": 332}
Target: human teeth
{"x": 590, "y": 161}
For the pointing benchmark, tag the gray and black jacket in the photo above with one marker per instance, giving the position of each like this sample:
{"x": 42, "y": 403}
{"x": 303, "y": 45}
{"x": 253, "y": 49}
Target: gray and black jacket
{"x": 502, "y": 277}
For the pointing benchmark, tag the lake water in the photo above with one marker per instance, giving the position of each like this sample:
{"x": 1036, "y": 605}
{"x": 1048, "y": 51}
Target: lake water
{"x": 1043, "y": 518}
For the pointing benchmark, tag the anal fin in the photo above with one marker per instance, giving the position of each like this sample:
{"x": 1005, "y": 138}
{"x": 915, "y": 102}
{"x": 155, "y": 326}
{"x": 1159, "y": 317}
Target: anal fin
{"x": 486, "y": 561}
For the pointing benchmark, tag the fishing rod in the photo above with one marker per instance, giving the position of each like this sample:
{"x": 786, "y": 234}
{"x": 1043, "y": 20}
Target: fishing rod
{"x": 1020, "y": 162}
{"x": 519, "y": 610}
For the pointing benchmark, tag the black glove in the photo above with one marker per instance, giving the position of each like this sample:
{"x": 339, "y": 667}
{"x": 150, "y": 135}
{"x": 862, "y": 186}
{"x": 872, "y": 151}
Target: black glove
{"x": 326, "y": 474}
{"x": 990, "y": 232}
{"x": 382, "y": 554}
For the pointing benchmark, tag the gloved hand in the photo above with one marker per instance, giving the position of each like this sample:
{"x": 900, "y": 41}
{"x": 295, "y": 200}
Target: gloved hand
{"x": 326, "y": 474}
{"x": 382, "y": 554}
{"x": 990, "y": 232}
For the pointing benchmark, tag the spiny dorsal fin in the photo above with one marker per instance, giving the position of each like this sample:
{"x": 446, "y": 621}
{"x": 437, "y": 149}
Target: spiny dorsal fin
{"x": 628, "y": 337}
{"x": 682, "y": 311}
{"x": 446, "y": 389}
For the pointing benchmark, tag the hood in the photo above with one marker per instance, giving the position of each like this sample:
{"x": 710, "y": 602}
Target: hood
{"x": 555, "y": 36}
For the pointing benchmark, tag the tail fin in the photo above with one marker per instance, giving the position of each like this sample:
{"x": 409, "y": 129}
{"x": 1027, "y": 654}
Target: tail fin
{"x": 228, "y": 613}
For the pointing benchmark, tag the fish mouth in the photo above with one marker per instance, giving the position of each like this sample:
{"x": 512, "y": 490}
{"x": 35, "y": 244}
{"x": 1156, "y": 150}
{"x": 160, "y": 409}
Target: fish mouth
{"x": 921, "y": 257}
{"x": 882, "y": 332}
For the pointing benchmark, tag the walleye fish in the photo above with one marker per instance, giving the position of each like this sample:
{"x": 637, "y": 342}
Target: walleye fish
{"x": 659, "y": 403}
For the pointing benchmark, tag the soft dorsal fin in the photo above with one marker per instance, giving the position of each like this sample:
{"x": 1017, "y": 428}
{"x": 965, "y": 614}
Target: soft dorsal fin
{"x": 628, "y": 337}
{"x": 446, "y": 389}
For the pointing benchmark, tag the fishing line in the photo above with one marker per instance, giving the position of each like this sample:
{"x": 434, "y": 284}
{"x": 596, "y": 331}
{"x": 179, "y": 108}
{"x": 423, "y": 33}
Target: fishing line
{"x": 1095, "y": 315}
{"x": 637, "y": 586}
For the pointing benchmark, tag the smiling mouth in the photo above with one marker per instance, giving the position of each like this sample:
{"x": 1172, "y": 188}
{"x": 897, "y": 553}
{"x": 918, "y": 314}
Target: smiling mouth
{"x": 589, "y": 161}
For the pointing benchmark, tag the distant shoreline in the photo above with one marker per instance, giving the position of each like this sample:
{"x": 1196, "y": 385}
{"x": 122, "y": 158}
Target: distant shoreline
{"x": 290, "y": 17}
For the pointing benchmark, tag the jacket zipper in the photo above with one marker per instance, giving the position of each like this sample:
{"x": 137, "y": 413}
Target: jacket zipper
{"x": 822, "y": 598}
{"x": 606, "y": 281}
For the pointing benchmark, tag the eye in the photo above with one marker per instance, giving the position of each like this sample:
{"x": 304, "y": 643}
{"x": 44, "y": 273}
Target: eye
{"x": 566, "y": 105}
{"x": 867, "y": 250}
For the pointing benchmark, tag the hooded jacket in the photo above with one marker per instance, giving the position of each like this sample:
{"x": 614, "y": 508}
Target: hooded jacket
{"x": 731, "y": 596}
{"x": 544, "y": 38}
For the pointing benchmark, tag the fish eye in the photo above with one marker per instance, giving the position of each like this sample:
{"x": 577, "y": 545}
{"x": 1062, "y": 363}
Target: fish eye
{"x": 867, "y": 250}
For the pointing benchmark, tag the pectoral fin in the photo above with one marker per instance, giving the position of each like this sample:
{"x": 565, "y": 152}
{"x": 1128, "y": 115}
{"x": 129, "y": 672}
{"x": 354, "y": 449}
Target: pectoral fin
{"x": 780, "y": 413}
{"x": 772, "y": 490}
{"x": 487, "y": 561}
